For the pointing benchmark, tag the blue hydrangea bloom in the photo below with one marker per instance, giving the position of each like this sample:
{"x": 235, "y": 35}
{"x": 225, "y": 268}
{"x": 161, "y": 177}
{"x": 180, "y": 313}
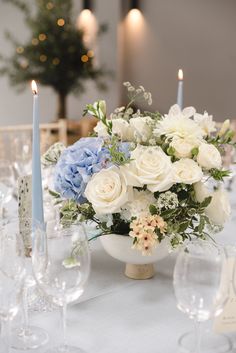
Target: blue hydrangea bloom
{"x": 77, "y": 164}
{"x": 124, "y": 147}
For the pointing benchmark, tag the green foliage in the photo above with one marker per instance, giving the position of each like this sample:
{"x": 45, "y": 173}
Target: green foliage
{"x": 195, "y": 151}
{"x": 119, "y": 225}
{"x": 69, "y": 212}
{"x": 54, "y": 194}
{"x": 219, "y": 175}
{"x": 52, "y": 55}
{"x": 155, "y": 116}
{"x": 220, "y": 140}
{"x": 86, "y": 211}
{"x": 188, "y": 218}
{"x": 117, "y": 157}
{"x": 153, "y": 209}
{"x": 170, "y": 151}
{"x": 52, "y": 155}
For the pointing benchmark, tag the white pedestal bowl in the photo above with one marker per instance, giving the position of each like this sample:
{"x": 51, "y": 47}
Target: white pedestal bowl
{"x": 138, "y": 266}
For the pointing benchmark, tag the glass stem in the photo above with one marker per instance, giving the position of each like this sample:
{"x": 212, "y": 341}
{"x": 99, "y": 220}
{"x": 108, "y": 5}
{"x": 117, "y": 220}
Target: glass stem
{"x": 1, "y": 209}
{"x": 64, "y": 314}
{"x": 25, "y": 309}
{"x": 198, "y": 336}
{"x": 5, "y": 331}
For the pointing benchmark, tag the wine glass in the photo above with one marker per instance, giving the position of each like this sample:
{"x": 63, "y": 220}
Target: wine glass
{"x": 61, "y": 265}
{"x": 201, "y": 288}
{"x": 231, "y": 255}
{"x": 26, "y": 337}
{"x": 12, "y": 272}
{"x": 6, "y": 184}
{"x": 22, "y": 151}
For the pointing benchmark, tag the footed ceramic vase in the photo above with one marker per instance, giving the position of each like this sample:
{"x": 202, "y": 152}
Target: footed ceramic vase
{"x": 137, "y": 265}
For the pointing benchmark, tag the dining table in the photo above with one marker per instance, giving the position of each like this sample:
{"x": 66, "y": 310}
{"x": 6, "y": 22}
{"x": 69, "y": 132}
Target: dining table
{"x": 116, "y": 314}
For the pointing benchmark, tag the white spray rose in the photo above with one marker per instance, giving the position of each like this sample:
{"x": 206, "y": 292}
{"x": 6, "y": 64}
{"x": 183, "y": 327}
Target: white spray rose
{"x": 206, "y": 123}
{"x": 141, "y": 128}
{"x": 201, "y": 192}
{"x": 184, "y": 146}
{"x": 151, "y": 167}
{"x": 187, "y": 171}
{"x": 219, "y": 209}
{"x": 209, "y": 157}
{"x": 101, "y": 129}
{"x": 121, "y": 128}
{"x": 107, "y": 191}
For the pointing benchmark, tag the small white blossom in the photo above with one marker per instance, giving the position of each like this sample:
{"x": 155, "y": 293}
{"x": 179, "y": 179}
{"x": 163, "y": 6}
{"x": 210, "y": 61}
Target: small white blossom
{"x": 131, "y": 89}
{"x": 127, "y": 84}
{"x": 150, "y": 99}
{"x": 119, "y": 110}
{"x": 168, "y": 200}
{"x": 139, "y": 206}
{"x": 105, "y": 218}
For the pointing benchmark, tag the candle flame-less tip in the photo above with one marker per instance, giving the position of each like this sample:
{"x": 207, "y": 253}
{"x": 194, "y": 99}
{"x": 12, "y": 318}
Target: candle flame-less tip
{"x": 180, "y": 74}
{"x": 34, "y": 87}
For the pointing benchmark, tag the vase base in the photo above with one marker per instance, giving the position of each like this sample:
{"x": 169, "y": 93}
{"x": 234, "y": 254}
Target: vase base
{"x": 139, "y": 271}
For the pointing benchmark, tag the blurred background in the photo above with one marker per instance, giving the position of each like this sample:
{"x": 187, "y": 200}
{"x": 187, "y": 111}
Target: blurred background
{"x": 144, "y": 42}
{"x": 79, "y": 51}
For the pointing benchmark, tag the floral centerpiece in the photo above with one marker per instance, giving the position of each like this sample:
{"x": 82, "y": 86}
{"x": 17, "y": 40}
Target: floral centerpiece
{"x": 145, "y": 175}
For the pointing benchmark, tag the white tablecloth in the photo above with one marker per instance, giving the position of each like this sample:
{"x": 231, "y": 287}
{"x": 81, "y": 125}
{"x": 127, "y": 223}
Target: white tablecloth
{"x": 119, "y": 315}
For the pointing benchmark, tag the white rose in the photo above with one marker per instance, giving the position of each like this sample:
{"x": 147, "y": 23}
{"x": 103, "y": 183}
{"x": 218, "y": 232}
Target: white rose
{"x": 151, "y": 167}
{"x": 101, "y": 129}
{"x": 184, "y": 146}
{"x": 107, "y": 191}
{"x": 209, "y": 157}
{"x": 141, "y": 127}
{"x": 121, "y": 128}
{"x": 206, "y": 122}
{"x": 219, "y": 209}
{"x": 201, "y": 192}
{"x": 187, "y": 171}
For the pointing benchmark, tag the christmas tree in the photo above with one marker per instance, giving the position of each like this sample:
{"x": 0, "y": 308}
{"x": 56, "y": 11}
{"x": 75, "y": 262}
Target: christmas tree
{"x": 55, "y": 55}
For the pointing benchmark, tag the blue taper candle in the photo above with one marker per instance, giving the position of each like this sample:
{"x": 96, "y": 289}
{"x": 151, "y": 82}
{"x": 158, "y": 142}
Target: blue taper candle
{"x": 37, "y": 192}
{"x": 180, "y": 93}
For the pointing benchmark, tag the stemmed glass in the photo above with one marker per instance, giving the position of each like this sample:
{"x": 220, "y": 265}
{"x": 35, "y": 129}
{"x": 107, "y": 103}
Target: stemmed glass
{"x": 12, "y": 271}
{"x": 22, "y": 153}
{"x": 6, "y": 184}
{"x": 26, "y": 337}
{"x": 201, "y": 288}
{"x": 61, "y": 265}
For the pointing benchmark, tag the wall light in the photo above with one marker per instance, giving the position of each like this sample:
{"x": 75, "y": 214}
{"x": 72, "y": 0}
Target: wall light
{"x": 134, "y": 14}
{"x": 88, "y": 24}
{"x": 134, "y": 4}
{"x": 87, "y": 5}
